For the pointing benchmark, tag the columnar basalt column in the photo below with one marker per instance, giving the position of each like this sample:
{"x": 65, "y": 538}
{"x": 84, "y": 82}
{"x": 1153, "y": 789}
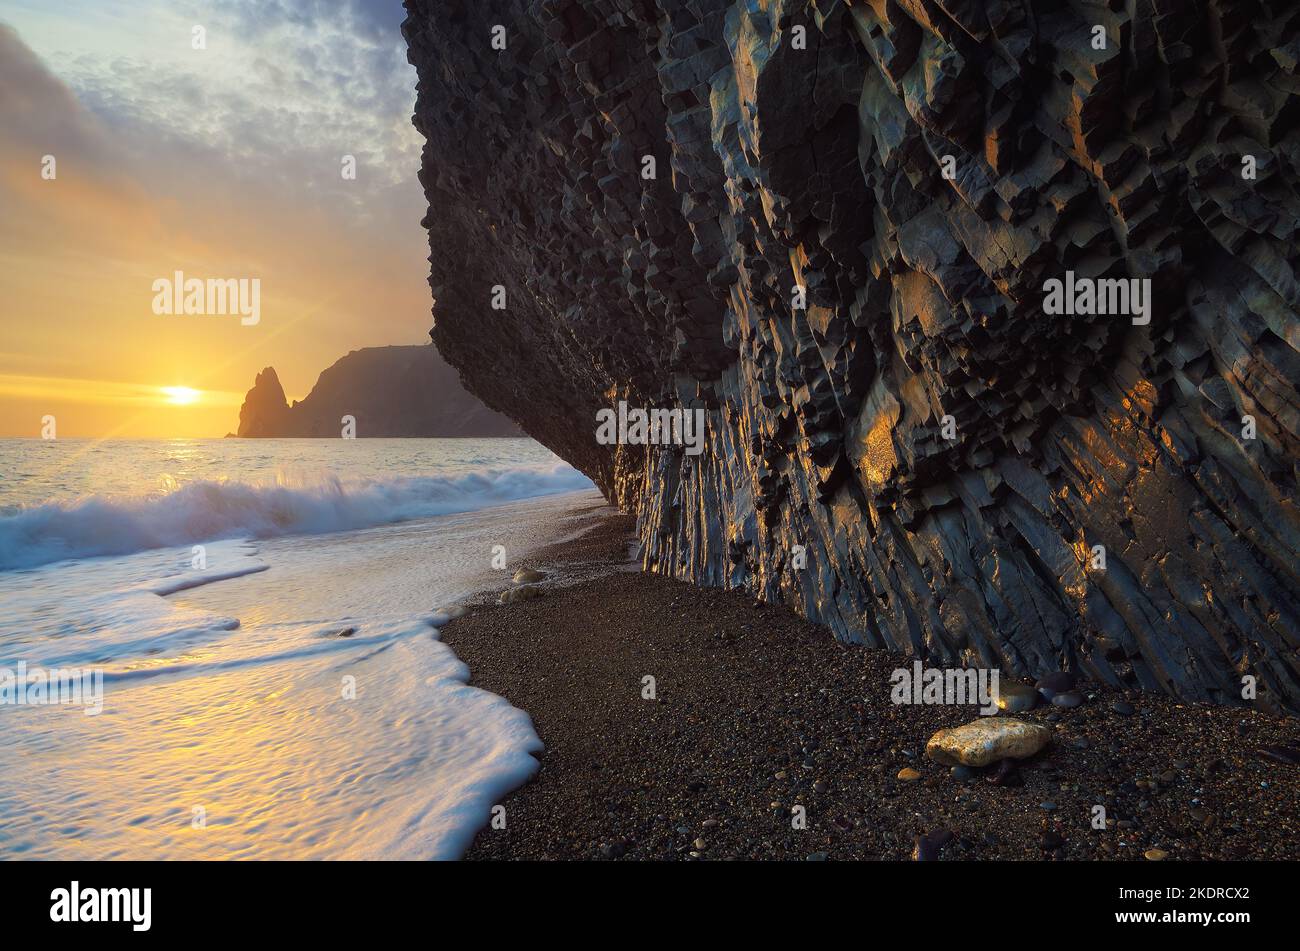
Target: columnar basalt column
{"x": 831, "y": 225}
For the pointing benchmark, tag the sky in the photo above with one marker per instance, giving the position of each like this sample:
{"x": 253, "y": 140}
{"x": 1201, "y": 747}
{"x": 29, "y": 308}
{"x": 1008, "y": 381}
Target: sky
{"x": 224, "y": 162}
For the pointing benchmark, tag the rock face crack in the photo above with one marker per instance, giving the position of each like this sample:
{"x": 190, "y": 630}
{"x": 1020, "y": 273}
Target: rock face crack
{"x": 916, "y": 450}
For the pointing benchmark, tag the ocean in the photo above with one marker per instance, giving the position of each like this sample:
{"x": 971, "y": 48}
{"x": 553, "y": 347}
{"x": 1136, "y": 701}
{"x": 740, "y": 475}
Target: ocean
{"x": 261, "y": 618}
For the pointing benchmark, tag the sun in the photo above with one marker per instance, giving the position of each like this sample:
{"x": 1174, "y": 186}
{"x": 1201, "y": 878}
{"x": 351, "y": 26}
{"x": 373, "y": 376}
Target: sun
{"x": 180, "y": 395}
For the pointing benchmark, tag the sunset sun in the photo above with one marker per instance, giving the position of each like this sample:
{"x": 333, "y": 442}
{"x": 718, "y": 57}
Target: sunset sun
{"x": 180, "y": 395}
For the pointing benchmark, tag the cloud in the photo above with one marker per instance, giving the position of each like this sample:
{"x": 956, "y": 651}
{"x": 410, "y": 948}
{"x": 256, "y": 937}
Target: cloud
{"x": 281, "y": 93}
{"x": 92, "y": 190}
{"x": 222, "y": 162}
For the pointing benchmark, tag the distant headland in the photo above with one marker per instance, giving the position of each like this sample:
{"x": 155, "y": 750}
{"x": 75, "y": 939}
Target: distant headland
{"x": 388, "y": 391}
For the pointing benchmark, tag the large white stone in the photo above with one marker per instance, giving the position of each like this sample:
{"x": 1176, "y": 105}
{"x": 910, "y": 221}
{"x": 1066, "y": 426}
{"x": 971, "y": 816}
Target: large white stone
{"x": 987, "y": 740}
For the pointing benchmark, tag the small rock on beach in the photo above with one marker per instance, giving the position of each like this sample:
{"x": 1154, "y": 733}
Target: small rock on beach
{"x": 525, "y": 592}
{"x": 983, "y": 741}
{"x": 1016, "y": 698}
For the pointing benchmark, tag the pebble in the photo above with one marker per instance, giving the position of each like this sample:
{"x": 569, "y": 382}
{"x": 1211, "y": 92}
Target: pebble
{"x": 1006, "y": 774}
{"x": 1052, "y": 684}
{"x": 1290, "y": 755}
{"x": 528, "y": 576}
{"x": 908, "y": 774}
{"x": 700, "y": 845}
{"x": 1155, "y": 855}
{"x": 525, "y": 592}
{"x": 987, "y": 739}
{"x": 927, "y": 847}
{"x": 963, "y": 774}
{"x": 1047, "y": 806}
{"x": 1068, "y": 700}
{"x": 1123, "y": 708}
{"x": 1016, "y": 698}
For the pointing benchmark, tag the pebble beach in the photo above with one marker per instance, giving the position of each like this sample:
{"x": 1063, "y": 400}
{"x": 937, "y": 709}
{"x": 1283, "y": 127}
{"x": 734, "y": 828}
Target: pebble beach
{"x": 766, "y": 739}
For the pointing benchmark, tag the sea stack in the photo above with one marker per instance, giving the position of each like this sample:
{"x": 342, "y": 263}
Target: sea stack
{"x": 388, "y": 391}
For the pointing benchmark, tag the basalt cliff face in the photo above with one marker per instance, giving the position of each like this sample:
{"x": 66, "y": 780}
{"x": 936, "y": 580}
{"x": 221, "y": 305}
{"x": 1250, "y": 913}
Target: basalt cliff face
{"x": 831, "y": 224}
{"x": 388, "y": 391}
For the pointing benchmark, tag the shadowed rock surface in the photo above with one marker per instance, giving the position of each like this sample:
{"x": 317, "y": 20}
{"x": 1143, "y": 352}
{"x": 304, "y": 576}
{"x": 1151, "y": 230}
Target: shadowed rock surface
{"x": 802, "y": 146}
{"x": 390, "y": 391}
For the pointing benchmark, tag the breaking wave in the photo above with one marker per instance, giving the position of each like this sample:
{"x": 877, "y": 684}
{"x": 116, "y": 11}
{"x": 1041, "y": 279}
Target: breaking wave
{"x": 207, "y": 510}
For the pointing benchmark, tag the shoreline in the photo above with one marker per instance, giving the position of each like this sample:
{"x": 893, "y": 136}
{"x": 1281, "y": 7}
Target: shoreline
{"x": 292, "y": 689}
{"x": 757, "y": 711}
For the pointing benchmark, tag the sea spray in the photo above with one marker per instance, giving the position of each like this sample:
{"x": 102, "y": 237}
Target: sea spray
{"x": 205, "y": 510}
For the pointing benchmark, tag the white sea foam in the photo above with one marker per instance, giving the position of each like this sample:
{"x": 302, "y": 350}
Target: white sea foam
{"x": 225, "y": 730}
{"x": 244, "y": 726}
{"x": 204, "y": 510}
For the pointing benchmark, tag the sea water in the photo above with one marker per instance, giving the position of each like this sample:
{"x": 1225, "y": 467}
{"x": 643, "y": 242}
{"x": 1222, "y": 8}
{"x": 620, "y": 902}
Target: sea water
{"x": 263, "y": 617}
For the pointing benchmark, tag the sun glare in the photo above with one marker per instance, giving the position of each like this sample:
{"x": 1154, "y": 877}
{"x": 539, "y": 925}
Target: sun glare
{"x": 180, "y": 395}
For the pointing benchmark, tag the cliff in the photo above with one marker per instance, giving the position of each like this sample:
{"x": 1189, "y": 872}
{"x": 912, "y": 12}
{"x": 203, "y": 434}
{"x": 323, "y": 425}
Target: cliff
{"x": 833, "y": 225}
{"x": 390, "y": 391}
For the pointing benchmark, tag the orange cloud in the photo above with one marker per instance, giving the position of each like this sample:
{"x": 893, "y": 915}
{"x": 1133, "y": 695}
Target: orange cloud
{"x": 137, "y": 198}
